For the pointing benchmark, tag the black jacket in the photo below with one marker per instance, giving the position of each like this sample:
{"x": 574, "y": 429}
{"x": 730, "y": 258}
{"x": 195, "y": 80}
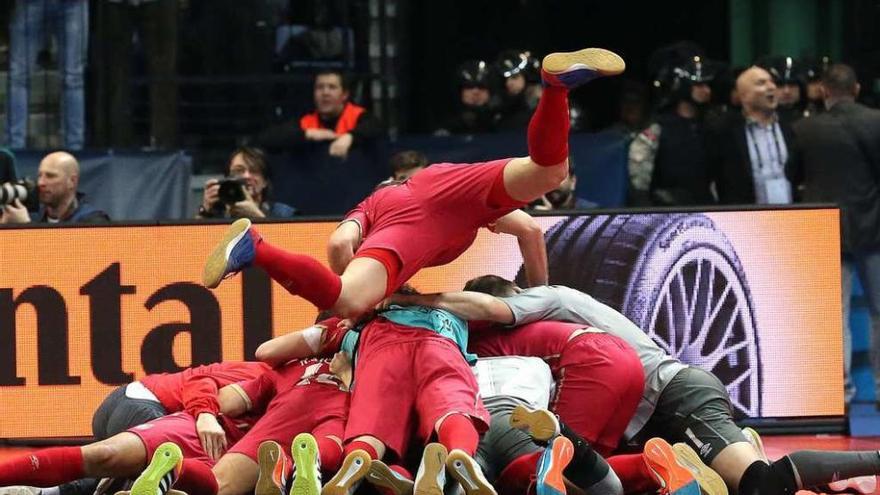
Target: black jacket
{"x": 728, "y": 156}
{"x": 838, "y": 160}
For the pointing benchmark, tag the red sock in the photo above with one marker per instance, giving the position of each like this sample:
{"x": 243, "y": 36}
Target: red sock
{"x": 357, "y": 444}
{"x": 548, "y": 129}
{"x": 196, "y": 477}
{"x": 44, "y": 468}
{"x": 331, "y": 455}
{"x": 634, "y": 473}
{"x": 519, "y": 475}
{"x": 457, "y": 432}
{"x": 299, "y": 274}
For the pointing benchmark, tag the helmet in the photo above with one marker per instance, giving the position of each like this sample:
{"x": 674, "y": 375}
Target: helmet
{"x": 817, "y": 68}
{"x": 785, "y": 70}
{"x": 676, "y": 80}
{"x": 473, "y": 73}
{"x": 512, "y": 62}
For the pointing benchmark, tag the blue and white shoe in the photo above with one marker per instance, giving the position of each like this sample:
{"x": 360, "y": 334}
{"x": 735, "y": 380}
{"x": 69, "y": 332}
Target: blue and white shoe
{"x": 233, "y": 253}
{"x": 572, "y": 69}
{"x": 550, "y": 480}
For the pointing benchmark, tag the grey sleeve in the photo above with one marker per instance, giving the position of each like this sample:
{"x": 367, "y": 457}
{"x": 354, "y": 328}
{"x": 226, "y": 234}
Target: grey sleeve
{"x": 541, "y": 303}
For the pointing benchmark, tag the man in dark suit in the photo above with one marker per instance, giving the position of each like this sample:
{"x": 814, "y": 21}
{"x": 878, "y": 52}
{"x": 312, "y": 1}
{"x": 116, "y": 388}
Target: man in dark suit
{"x": 838, "y": 160}
{"x": 747, "y": 150}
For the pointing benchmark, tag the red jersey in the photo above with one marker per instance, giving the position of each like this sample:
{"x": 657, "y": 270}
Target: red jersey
{"x": 542, "y": 339}
{"x": 274, "y": 386}
{"x": 433, "y": 217}
{"x": 194, "y": 390}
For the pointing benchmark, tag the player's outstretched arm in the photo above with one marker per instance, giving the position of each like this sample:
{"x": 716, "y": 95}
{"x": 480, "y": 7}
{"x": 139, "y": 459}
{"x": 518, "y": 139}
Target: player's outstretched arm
{"x": 531, "y": 244}
{"x": 465, "y": 304}
{"x": 295, "y": 345}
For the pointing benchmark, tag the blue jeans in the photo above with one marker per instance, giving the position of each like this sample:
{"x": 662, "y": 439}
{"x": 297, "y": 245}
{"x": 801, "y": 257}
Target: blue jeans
{"x": 868, "y": 267}
{"x": 33, "y": 22}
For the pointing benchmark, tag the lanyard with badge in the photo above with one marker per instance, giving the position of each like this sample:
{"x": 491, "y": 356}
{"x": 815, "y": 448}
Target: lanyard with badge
{"x": 777, "y": 188}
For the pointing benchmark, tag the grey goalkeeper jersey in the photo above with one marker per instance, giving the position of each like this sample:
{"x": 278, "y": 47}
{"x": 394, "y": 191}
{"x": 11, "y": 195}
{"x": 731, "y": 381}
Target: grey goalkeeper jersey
{"x": 559, "y": 303}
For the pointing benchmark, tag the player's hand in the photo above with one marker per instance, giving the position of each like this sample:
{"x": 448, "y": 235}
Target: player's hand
{"x": 320, "y": 135}
{"x": 340, "y": 146}
{"x": 544, "y": 205}
{"x": 211, "y": 435}
{"x": 15, "y": 212}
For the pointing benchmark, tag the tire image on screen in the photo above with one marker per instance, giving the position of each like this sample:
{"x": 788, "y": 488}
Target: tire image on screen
{"x": 678, "y": 278}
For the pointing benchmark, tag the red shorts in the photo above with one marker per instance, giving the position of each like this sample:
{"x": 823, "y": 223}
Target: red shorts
{"x": 179, "y": 428}
{"x": 315, "y": 409}
{"x": 599, "y": 383}
{"x": 433, "y": 217}
{"x": 408, "y": 378}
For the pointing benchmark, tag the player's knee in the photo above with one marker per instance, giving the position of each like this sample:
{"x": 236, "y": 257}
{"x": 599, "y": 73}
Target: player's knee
{"x": 101, "y": 458}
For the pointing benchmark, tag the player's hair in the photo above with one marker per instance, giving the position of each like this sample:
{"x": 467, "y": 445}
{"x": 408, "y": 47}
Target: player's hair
{"x": 407, "y": 160}
{"x": 491, "y": 284}
{"x": 407, "y": 290}
{"x": 840, "y": 80}
{"x": 324, "y": 315}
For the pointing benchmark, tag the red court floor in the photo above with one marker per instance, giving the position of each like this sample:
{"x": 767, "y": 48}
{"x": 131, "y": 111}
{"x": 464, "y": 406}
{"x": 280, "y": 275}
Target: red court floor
{"x": 776, "y": 446}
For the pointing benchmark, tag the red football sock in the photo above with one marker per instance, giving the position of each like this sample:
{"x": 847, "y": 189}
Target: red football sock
{"x": 301, "y": 275}
{"x": 519, "y": 475}
{"x": 196, "y": 477}
{"x": 634, "y": 473}
{"x": 548, "y": 129}
{"x": 457, "y": 432}
{"x": 44, "y": 468}
{"x": 357, "y": 444}
{"x": 330, "y": 453}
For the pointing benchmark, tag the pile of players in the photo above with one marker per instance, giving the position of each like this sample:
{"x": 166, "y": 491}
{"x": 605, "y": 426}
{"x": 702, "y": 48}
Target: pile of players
{"x": 397, "y": 399}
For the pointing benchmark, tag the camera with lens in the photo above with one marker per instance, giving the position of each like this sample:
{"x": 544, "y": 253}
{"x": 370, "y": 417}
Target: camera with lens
{"x": 23, "y": 190}
{"x": 231, "y": 191}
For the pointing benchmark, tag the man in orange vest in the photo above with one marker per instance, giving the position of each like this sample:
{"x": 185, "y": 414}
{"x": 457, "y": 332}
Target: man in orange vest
{"x": 335, "y": 119}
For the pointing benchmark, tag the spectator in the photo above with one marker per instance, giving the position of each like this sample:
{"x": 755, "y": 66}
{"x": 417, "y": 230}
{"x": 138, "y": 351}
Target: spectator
{"x": 155, "y": 23}
{"x": 247, "y": 166}
{"x": 405, "y": 164}
{"x": 748, "y": 150}
{"x": 476, "y": 112}
{"x": 563, "y": 197}
{"x": 667, "y": 161}
{"x": 632, "y": 110}
{"x": 838, "y": 161}
{"x": 7, "y": 166}
{"x": 57, "y": 180}
{"x": 335, "y": 120}
{"x": 515, "y": 110}
{"x": 33, "y": 22}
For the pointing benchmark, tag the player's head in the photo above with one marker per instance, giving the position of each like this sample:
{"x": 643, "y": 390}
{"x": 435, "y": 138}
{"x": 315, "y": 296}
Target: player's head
{"x": 493, "y": 285}
{"x": 405, "y": 164}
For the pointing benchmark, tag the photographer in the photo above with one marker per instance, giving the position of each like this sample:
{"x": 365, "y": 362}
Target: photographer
{"x": 245, "y": 191}
{"x": 59, "y": 202}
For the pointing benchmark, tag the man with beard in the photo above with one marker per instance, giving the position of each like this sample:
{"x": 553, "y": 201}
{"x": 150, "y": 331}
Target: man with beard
{"x": 748, "y": 150}
{"x": 563, "y": 198}
{"x": 667, "y": 161}
{"x": 57, "y": 180}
